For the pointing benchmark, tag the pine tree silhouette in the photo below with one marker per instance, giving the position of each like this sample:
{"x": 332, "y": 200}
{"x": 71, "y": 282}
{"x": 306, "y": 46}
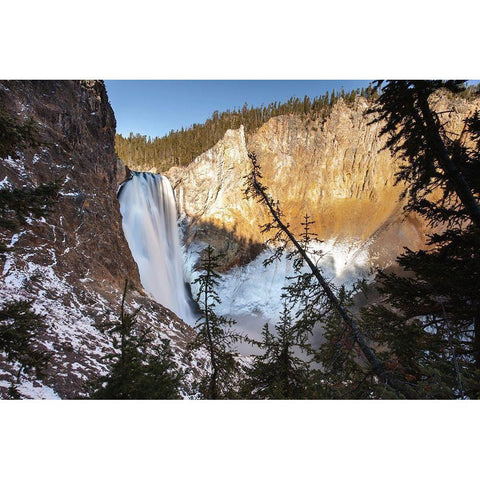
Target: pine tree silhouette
{"x": 140, "y": 367}
{"x": 215, "y": 333}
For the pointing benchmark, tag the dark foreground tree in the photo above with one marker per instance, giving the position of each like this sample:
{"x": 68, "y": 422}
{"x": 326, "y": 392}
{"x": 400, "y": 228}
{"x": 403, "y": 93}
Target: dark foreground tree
{"x": 19, "y": 324}
{"x": 15, "y": 134}
{"x": 215, "y": 333}
{"x": 18, "y": 204}
{"x": 429, "y": 321}
{"x": 278, "y": 372}
{"x": 283, "y": 236}
{"x": 19, "y": 327}
{"x": 140, "y": 368}
{"x": 435, "y": 158}
{"x": 342, "y": 370}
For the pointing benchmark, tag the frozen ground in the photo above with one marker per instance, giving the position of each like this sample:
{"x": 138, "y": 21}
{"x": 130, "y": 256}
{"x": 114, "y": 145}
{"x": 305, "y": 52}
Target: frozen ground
{"x": 72, "y": 314}
{"x": 251, "y": 294}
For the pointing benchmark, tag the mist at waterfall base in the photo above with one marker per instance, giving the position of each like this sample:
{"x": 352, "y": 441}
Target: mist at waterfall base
{"x": 251, "y": 294}
{"x": 149, "y": 220}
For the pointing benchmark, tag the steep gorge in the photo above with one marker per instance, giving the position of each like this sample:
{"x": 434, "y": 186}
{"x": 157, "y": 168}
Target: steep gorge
{"x": 335, "y": 169}
{"x": 73, "y": 263}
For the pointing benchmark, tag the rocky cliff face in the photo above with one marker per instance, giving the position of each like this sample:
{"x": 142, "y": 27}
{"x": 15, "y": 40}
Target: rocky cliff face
{"x": 209, "y": 194}
{"x": 336, "y": 170}
{"x": 72, "y": 264}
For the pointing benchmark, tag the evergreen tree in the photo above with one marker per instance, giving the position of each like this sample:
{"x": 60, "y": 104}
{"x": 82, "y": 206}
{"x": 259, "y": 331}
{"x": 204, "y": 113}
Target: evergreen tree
{"x": 435, "y": 158}
{"x": 429, "y": 320}
{"x": 342, "y": 373}
{"x": 310, "y": 303}
{"x": 17, "y": 204}
{"x": 19, "y": 324}
{"x": 19, "y": 327}
{"x": 215, "y": 333}
{"x": 16, "y": 135}
{"x": 334, "y": 304}
{"x": 278, "y": 373}
{"x": 140, "y": 368}
{"x": 425, "y": 328}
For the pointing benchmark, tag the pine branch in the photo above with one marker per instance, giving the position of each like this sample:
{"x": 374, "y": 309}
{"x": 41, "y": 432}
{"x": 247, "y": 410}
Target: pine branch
{"x": 255, "y": 188}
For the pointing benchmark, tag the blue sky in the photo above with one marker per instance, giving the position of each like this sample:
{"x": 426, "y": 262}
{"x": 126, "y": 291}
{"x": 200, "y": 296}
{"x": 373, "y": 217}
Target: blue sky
{"x": 154, "y": 107}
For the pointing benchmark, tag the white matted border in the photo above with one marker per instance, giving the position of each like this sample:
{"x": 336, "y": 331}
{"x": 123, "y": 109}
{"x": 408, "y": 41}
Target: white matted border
{"x": 240, "y": 40}
{"x": 214, "y": 39}
{"x": 239, "y": 439}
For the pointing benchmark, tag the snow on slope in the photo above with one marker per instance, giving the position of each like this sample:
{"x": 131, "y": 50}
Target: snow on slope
{"x": 251, "y": 294}
{"x": 72, "y": 335}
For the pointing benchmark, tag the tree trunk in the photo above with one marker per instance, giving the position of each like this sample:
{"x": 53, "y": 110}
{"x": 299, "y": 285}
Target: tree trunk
{"x": 366, "y": 350}
{"x": 451, "y": 171}
{"x": 213, "y": 379}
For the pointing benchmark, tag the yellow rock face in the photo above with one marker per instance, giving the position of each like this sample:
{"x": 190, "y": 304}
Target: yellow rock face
{"x": 336, "y": 170}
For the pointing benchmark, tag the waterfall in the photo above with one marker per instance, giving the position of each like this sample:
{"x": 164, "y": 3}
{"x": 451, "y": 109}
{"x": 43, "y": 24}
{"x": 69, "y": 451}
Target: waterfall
{"x": 147, "y": 205}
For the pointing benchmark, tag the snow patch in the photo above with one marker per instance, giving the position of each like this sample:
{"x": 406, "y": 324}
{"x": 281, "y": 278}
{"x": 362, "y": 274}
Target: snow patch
{"x": 256, "y": 290}
{"x": 5, "y": 183}
{"x": 36, "y": 390}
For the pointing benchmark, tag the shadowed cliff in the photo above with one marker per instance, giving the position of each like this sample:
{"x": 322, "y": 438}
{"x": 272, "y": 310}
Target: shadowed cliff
{"x": 73, "y": 263}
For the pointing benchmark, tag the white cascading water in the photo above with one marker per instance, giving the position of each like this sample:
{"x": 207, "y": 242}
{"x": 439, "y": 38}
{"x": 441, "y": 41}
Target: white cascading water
{"x": 147, "y": 205}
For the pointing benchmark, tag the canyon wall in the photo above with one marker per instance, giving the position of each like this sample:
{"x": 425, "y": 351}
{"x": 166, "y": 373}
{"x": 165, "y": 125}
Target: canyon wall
{"x": 72, "y": 264}
{"x": 335, "y": 169}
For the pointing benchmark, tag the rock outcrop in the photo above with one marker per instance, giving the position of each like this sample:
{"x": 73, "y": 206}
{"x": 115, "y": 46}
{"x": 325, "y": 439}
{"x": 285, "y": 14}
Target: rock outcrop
{"x": 209, "y": 195}
{"x": 335, "y": 169}
{"x": 73, "y": 263}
